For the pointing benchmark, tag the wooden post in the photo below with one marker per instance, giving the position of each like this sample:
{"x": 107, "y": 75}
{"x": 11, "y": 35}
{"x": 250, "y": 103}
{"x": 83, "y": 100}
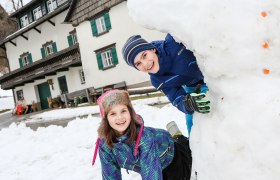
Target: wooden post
{"x": 65, "y": 100}
{"x": 88, "y": 96}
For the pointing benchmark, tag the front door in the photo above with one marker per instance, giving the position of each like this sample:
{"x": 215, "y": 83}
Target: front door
{"x": 44, "y": 93}
{"x": 62, "y": 85}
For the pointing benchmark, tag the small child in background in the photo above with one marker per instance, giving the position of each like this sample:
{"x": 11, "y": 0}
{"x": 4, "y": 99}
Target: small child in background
{"x": 124, "y": 142}
{"x": 173, "y": 70}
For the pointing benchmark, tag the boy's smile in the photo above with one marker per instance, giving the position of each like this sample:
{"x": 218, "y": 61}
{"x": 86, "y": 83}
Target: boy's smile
{"x": 147, "y": 61}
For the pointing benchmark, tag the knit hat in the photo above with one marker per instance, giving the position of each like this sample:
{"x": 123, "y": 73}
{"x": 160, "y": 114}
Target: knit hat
{"x": 106, "y": 101}
{"x": 133, "y": 46}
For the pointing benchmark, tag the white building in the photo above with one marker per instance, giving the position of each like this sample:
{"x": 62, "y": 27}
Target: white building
{"x": 72, "y": 48}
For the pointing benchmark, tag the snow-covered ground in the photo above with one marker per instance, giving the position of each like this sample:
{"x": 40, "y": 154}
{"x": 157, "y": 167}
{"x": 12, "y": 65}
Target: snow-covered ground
{"x": 7, "y": 103}
{"x": 66, "y": 153}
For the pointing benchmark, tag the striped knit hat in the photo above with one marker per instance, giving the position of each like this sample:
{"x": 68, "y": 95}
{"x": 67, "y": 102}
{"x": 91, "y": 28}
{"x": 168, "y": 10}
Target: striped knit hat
{"x": 133, "y": 46}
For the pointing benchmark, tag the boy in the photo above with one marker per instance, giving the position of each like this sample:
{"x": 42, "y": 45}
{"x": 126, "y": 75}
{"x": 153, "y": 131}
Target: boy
{"x": 173, "y": 70}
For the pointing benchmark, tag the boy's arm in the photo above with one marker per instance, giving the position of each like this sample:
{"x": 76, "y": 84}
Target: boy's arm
{"x": 187, "y": 103}
{"x": 176, "y": 97}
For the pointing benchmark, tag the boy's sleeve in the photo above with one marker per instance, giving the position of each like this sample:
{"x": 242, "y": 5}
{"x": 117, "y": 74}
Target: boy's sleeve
{"x": 149, "y": 160}
{"x": 110, "y": 168}
{"x": 176, "y": 96}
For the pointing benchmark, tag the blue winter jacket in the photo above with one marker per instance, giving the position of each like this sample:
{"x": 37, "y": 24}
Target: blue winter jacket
{"x": 178, "y": 67}
{"x": 156, "y": 152}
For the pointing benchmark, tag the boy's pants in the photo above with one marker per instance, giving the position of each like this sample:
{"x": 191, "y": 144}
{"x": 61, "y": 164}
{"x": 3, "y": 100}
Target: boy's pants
{"x": 181, "y": 166}
{"x": 189, "y": 116}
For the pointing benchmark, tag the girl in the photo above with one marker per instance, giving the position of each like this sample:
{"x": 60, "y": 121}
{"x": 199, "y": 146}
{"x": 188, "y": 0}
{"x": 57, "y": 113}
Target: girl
{"x": 125, "y": 143}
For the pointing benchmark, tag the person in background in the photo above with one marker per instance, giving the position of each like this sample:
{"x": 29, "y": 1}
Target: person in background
{"x": 124, "y": 142}
{"x": 173, "y": 70}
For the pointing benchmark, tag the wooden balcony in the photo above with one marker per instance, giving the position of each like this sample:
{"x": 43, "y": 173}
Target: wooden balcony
{"x": 50, "y": 65}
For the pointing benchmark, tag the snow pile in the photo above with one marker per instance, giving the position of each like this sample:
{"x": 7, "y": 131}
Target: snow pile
{"x": 237, "y": 46}
{"x": 66, "y": 153}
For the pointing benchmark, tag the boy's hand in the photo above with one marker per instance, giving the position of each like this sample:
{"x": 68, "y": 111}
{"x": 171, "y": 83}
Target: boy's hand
{"x": 195, "y": 101}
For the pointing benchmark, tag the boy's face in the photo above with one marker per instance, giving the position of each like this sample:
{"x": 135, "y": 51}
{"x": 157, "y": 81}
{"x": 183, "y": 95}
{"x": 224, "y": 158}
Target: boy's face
{"x": 147, "y": 61}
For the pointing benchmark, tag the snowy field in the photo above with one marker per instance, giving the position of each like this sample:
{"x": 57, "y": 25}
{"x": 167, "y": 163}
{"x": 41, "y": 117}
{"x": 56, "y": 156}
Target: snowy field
{"x": 66, "y": 153}
{"x": 6, "y": 103}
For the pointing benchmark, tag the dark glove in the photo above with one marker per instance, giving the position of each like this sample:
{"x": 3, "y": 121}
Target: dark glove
{"x": 195, "y": 101}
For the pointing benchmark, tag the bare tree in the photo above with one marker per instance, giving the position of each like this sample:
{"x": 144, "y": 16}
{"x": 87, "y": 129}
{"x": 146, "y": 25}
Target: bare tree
{"x": 16, "y": 4}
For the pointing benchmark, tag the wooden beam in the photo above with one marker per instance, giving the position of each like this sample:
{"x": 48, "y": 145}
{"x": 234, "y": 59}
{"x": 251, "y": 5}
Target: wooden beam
{"x": 52, "y": 23}
{"x": 12, "y": 43}
{"x": 37, "y": 30}
{"x": 26, "y": 38}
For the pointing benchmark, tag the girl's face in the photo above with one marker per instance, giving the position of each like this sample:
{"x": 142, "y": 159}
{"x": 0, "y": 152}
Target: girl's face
{"x": 119, "y": 118}
{"x": 147, "y": 61}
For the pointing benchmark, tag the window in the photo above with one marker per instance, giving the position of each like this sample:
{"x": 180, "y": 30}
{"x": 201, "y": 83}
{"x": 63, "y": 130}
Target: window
{"x": 101, "y": 25}
{"x": 52, "y": 5}
{"x": 25, "y": 59}
{"x": 24, "y": 21}
{"x": 48, "y": 49}
{"x": 37, "y": 13}
{"x": 107, "y": 58}
{"x": 72, "y": 38}
{"x": 82, "y": 76}
{"x": 20, "y": 95}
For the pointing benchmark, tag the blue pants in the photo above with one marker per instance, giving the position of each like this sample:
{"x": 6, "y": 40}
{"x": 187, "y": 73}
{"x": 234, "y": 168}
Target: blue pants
{"x": 189, "y": 117}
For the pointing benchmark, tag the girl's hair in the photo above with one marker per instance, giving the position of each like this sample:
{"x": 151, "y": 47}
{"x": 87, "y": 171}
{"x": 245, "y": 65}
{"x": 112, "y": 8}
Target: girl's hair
{"x": 110, "y": 135}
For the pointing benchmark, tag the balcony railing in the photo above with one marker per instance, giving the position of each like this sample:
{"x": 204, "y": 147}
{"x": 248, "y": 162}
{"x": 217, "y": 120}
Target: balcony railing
{"x": 50, "y": 65}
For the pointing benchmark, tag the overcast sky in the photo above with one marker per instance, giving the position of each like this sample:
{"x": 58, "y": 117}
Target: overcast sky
{"x": 7, "y": 4}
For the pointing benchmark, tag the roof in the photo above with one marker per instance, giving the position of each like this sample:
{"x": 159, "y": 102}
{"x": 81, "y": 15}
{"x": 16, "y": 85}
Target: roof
{"x": 82, "y": 10}
{"x": 36, "y": 23}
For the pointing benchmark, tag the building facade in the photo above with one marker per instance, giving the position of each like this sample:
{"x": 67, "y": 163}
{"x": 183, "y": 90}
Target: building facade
{"x": 70, "y": 48}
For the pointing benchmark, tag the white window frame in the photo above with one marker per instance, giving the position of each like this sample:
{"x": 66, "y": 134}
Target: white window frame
{"x": 25, "y": 60}
{"x": 37, "y": 13}
{"x": 100, "y": 25}
{"x": 24, "y": 21}
{"x": 107, "y": 59}
{"x": 82, "y": 76}
{"x": 52, "y": 5}
{"x": 74, "y": 37}
{"x": 20, "y": 95}
{"x": 48, "y": 49}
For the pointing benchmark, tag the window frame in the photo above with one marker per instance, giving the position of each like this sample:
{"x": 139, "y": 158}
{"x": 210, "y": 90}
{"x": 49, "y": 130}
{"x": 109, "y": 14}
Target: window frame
{"x": 82, "y": 76}
{"x": 37, "y": 10}
{"x": 107, "y": 59}
{"x": 20, "y": 95}
{"x": 52, "y": 6}
{"x": 107, "y": 56}
{"x": 100, "y": 25}
{"x": 47, "y": 46}
{"x": 24, "y": 20}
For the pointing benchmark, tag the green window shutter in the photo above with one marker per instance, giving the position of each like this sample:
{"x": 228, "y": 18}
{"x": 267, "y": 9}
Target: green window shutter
{"x": 107, "y": 21}
{"x": 20, "y": 62}
{"x": 99, "y": 61}
{"x": 70, "y": 40}
{"x": 114, "y": 55}
{"x": 93, "y": 27}
{"x": 54, "y": 47}
{"x": 29, "y": 57}
{"x": 43, "y": 52}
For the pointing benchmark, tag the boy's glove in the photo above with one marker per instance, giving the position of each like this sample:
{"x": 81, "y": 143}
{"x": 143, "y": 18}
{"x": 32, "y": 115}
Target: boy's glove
{"x": 195, "y": 101}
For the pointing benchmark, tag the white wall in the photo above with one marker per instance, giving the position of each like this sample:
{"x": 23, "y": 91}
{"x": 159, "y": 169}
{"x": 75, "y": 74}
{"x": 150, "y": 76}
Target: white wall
{"x": 57, "y": 33}
{"x": 122, "y": 28}
{"x": 72, "y": 78}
